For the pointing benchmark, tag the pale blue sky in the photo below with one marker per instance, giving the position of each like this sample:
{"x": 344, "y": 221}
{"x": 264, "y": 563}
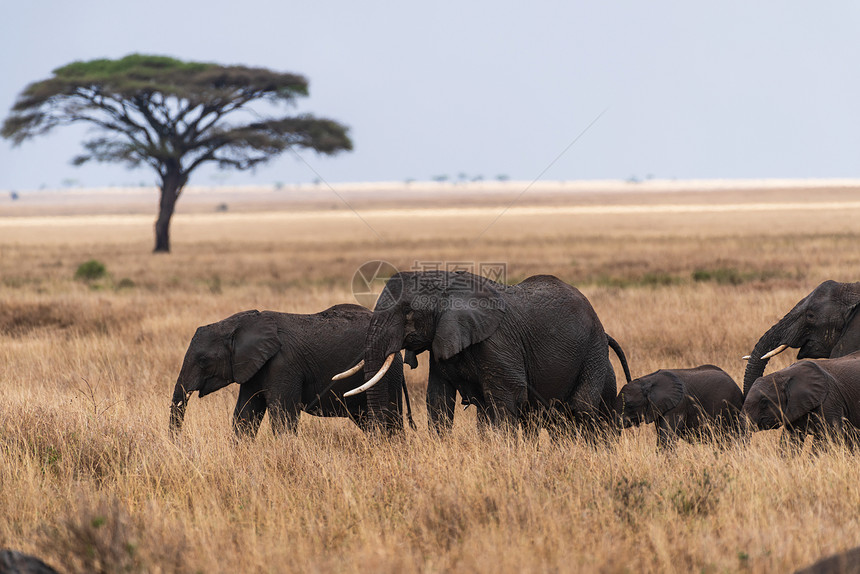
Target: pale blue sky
{"x": 692, "y": 89}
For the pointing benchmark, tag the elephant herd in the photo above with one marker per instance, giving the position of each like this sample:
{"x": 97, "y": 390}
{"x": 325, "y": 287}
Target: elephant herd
{"x": 526, "y": 356}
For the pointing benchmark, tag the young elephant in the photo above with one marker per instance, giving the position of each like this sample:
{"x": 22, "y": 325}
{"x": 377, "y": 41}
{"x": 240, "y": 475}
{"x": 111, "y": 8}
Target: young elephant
{"x": 809, "y": 396}
{"x": 284, "y": 364}
{"x": 682, "y": 402}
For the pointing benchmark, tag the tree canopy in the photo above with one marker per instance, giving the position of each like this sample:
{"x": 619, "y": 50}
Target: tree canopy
{"x": 173, "y": 116}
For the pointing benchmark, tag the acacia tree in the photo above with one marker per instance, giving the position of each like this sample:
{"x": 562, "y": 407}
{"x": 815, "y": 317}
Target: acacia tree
{"x": 173, "y": 116}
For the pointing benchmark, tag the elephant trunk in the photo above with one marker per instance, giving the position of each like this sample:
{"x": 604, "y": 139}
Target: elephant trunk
{"x": 774, "y": 337}
{"x": 177, "y": 409}
{"x": 384, "y": 338}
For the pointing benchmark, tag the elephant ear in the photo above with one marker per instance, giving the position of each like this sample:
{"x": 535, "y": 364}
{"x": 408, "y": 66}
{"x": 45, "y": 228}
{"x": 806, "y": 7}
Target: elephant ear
{"x": 254, "y": 341}
{"x": 663, "y": 393}
{"x": 849, "y": 339}
{"x": 471, "y": 309}
{"x": 806, "y": 390}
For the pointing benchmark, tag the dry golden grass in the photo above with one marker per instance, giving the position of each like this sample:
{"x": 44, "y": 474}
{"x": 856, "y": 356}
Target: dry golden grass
{"x": 89, "y": 479}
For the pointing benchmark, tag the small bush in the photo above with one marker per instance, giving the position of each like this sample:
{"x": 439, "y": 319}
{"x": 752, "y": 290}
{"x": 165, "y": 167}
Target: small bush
{"x": 103, "y": 537}
{"x": 91, "y": 270}
{"x": 733, "y": 276}
{"x": 631, "y": 498}
{"x": 721, "y": 276}
{"x": 699, "y": 496}
{"x": 650, "y": 279}
{"x": 658, "y": 279}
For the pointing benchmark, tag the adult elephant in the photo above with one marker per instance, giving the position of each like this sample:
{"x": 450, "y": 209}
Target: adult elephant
{"x": 824, "y": 324}
{"x": 809, "y": 396}
{"x": 284, "y": 364}
{"x": 519, "y": 353}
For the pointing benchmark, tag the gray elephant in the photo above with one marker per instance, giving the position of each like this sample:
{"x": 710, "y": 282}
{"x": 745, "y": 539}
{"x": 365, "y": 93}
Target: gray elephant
{"x": 284, "y": 364}
{"x": 12, "y": 562}
{"x": 533, "y": 353}
{"x": 685, "y": 403}
{"x": 845, "y": 562}
{"x": 809, "y": 396}
{"x": 824, "y": 324}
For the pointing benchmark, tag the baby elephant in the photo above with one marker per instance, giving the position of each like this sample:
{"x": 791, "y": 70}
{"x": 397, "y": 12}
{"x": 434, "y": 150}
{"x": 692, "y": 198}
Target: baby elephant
{"x": 682, "y": 402}
{"x": 809, "y": 396}
{"x": 284, "y": 364}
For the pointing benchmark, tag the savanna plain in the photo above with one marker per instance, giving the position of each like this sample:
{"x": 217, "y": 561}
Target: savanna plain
{"x": 91, "y": 482}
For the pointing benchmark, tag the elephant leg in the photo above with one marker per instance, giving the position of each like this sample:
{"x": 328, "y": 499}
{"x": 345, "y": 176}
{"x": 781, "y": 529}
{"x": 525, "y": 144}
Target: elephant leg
{"x": 739, "y": 428}
{"x": 284, "y": 418}
{"x": 666, "y": 435}
{"x": 560, "y": 421}
{"x": 732, "y": 430}
{"x": 607, "y": 406}
{"x": 503, "y": 406}
{"x": 793, "y": 436}
{"x": 249, "y": 411}
{"x": 792, "y": 440}
{"x": 830, "y": 433}
{"x": 560, "y": 429}
{"x": 441, "y": 399}
{"x": 848, "y": 434}
{"x": 532, "y": 419}
{"x": 851, "y": 436}
{"x": 284, "y": 396}
{"x": 482, "y": 420}
{"x": 589, "y": 423}
{"x": 361, "y": 419}
{"x": 589, "y": 394}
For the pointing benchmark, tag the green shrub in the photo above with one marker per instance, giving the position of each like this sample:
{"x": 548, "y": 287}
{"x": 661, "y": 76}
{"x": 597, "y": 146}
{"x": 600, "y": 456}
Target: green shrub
{"x": 90, "y": 270}
{"x": 722, "y": 276}
{"x": 650, "y": 279}
{"x": 125, "y": 283}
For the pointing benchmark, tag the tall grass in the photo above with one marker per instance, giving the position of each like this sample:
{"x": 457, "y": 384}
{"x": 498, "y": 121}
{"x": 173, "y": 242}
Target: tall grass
{"x": 90, "y": 481}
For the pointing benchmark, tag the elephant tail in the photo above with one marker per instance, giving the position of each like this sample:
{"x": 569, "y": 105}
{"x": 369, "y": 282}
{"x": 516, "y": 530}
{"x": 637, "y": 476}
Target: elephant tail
{"x": 620, "y": 352}
{"x": 408, "y": 406}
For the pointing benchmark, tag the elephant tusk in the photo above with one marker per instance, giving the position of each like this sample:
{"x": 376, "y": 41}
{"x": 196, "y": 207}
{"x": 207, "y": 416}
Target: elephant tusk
{"x": 746, "y": 358}
{"x": 376, "y": 378}
{"x": 775, "y": 352}
{"x": 349, "y": 372}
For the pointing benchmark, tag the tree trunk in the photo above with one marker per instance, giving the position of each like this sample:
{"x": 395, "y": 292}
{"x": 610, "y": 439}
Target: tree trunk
{"x": 171, "y": 185}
